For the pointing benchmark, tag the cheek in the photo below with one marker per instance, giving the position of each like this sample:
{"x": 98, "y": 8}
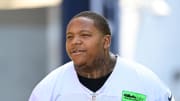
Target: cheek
{"x": 67, "y": 48}
{"x": 95, "y": 47}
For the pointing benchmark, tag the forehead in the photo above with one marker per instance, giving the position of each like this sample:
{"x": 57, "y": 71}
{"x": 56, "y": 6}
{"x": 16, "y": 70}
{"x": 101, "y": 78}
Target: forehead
{"x": 80, "y": 23}
{"x": 82, "y": 20}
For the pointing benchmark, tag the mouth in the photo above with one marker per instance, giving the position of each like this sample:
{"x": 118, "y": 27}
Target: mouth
{"x": 77, "y": 51}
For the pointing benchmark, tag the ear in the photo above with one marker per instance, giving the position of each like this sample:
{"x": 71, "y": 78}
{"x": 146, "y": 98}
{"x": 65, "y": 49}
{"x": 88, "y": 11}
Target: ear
{"x": 107, "y": 41}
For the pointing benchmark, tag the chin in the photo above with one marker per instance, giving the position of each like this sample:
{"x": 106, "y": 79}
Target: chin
{"x": 79, "y": 63}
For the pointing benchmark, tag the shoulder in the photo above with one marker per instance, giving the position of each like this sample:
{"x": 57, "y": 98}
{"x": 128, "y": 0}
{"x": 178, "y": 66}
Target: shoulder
{"x": 45, "y": 87}
{"x": 154, "y": 87}
{"x": 137, "y": 69}
{"x": 145, "y": 74}
{"x": 57, "y": 73}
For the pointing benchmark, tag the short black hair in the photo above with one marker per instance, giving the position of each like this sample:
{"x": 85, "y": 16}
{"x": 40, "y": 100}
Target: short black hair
{"x": 99, "y": 21}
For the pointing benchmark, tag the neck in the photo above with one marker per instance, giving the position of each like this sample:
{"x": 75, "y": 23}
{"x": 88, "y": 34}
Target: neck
{"x": 99, "y": 68}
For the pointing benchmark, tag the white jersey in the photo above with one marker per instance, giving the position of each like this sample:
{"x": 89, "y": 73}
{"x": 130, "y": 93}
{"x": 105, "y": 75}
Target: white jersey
{"x": 128, "y": 82}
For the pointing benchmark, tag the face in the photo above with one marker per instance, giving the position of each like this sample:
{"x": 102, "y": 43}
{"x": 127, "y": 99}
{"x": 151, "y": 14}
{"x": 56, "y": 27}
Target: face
{"x": 84, "y": 42}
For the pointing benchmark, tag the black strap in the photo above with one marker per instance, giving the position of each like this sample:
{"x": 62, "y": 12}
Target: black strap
{"x": 170, "y": 97}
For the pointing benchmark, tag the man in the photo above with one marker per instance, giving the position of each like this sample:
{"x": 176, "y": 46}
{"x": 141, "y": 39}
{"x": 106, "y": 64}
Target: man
{"x": 96, "y": 74}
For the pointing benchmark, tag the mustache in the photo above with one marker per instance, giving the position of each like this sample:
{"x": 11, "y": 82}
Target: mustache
{"x": 74, "y": 50}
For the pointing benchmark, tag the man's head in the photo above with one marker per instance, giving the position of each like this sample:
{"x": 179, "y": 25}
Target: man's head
{"x": 88, "y": 38}
{"x": 100, "y": 22}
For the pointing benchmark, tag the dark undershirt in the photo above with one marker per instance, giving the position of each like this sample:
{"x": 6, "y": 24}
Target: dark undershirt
{"x": 93, "y": 84}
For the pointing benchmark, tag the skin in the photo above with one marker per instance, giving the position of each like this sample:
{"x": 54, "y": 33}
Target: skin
{"x": 88, "y": 48}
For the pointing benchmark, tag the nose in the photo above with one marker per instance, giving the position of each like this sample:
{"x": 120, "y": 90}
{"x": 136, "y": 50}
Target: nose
{"x": 76, "y": 40}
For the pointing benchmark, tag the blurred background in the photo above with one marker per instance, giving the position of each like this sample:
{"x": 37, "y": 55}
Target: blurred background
{"x": 32, "y": 38}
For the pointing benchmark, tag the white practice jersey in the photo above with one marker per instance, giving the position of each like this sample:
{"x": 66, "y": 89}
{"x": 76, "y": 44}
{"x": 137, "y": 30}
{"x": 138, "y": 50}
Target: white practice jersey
{"x": 129, "y": 81}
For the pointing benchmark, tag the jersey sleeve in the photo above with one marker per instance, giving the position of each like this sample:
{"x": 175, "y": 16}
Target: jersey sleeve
{"x": 166, "y": 97}
{"x": 33, "y": 98}
{"x": 44, "y": 89}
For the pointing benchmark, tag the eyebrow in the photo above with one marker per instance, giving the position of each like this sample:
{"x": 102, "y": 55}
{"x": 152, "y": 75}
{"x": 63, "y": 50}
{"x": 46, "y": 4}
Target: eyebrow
{"x": 69, "y": 33}
{"x": 85, "y": 31}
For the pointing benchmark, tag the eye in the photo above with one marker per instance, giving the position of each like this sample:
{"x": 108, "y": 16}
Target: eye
{"x": 69, "y": 36}
{"x": 86, "y": 35}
